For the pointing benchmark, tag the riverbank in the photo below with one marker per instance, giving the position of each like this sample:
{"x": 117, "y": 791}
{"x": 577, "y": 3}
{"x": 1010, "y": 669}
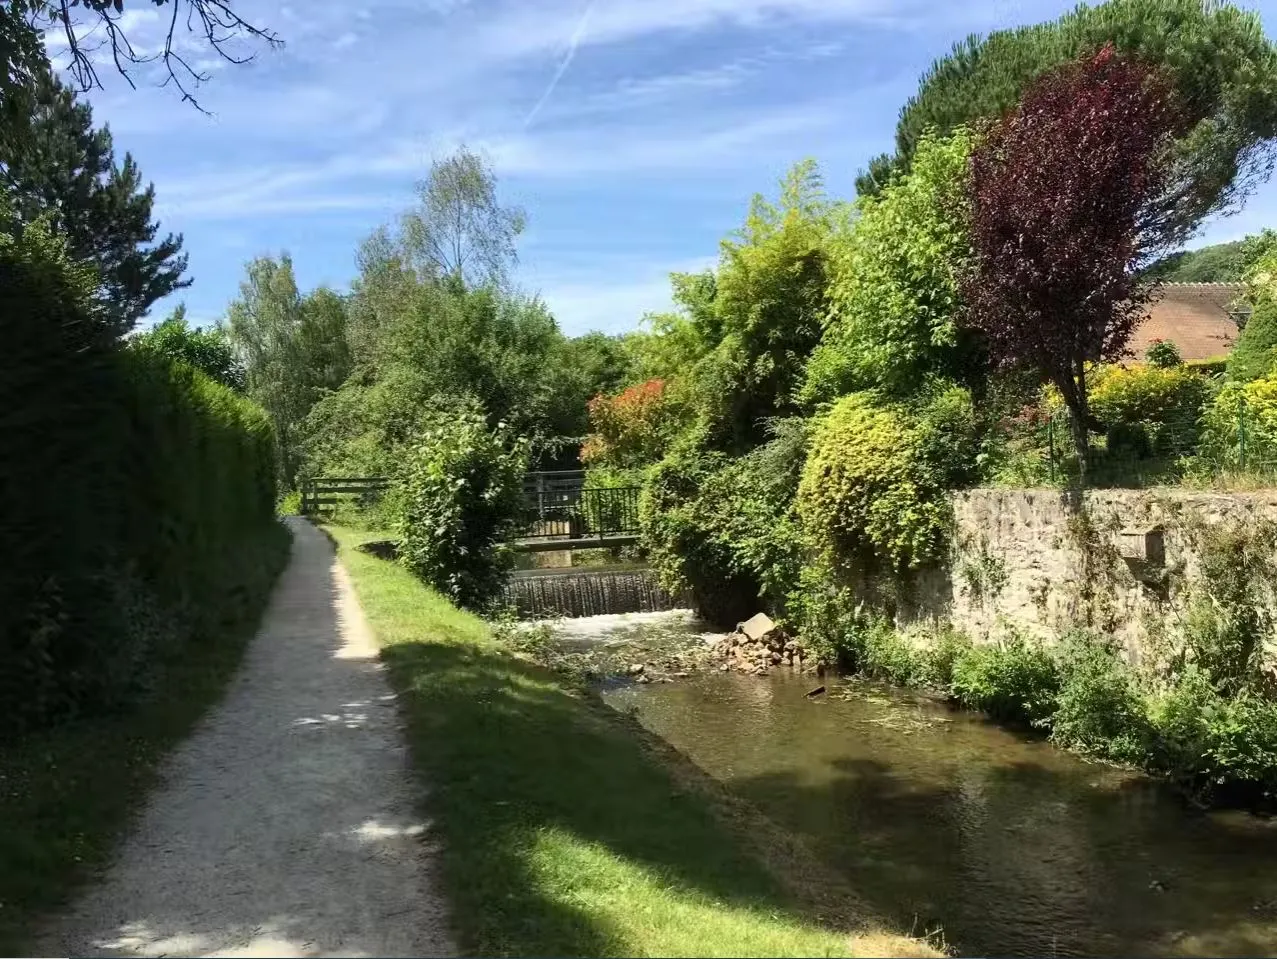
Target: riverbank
{"x": 565, "y": 829}
{"x": 68, "y": 794}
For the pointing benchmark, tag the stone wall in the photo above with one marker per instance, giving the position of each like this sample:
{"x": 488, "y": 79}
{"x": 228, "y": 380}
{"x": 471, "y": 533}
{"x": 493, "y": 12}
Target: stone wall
{"x": 1025, "y": 559}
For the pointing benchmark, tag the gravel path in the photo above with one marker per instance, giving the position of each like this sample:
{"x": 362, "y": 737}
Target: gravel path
{"x": 286, "y": 823}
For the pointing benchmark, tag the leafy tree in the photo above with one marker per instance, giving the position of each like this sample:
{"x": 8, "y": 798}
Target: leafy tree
{"x": 458, "y": 227}
{"x": 1219, "y": 263}
{"x": 206, "y": 350}
{"x": 436, "y": 341}
{"x": 291, "y": 348}
{"x": 769, "y": 302}
{"x": 602, "y": 361}
{"x": 1260, "y": 272}
{"x": 1061, "y": 190}
{"x": 1216, "y": 57}
{"x": 58, "y": 163}
{"x": 744, "y": 332}
{"x": 630, "y": 429}
{"x": 894, "y": 283}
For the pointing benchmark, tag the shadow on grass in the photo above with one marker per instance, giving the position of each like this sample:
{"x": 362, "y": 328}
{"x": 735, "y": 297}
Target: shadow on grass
{"x": 513, "y": 758}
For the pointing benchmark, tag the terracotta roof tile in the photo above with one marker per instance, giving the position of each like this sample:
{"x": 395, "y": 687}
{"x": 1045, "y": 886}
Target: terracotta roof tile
{"x": 1193, "y": 316}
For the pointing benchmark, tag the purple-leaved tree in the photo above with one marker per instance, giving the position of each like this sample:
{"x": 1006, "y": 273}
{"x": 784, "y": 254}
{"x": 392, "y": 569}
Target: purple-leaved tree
{"x": 1064, "y": 194}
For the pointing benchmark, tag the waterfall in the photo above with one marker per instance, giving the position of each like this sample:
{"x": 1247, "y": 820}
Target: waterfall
{"x": 542, "y": 594}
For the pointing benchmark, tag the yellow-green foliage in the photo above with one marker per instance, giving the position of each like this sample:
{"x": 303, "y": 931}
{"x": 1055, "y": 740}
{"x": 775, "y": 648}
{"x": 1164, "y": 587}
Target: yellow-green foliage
{"x": 867, "y": 489}
{"x": 1165, "y": 403}
{"x": 1253, "y": 404}
{"x": 893, "y": 289}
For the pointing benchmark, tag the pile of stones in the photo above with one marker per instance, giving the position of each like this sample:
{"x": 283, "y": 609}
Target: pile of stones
{"x": 757, "y": 646}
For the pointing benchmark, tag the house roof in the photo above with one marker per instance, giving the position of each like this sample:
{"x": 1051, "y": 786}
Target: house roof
{"x": 1193, "y": 316}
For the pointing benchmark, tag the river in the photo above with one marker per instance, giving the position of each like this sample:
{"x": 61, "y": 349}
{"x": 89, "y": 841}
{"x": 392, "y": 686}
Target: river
{"x": 942, "y": 819}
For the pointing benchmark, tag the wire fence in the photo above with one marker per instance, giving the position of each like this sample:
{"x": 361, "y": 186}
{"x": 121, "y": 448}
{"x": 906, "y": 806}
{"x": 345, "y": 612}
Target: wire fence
{"x": 1228, "y": 444}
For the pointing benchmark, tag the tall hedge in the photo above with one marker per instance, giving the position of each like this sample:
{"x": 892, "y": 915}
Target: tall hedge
{"x": 137, "y": 498}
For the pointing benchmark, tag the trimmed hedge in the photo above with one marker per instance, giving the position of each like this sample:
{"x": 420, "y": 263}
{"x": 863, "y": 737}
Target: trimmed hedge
{"x": 138, "y": 497}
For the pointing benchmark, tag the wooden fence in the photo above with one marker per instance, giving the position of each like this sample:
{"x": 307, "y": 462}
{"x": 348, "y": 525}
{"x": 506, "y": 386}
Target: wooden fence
{"x": 323, "y": 494}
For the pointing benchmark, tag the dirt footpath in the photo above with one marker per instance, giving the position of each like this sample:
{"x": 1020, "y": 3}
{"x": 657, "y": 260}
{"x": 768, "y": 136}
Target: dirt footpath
{"x": 286, "y": 825}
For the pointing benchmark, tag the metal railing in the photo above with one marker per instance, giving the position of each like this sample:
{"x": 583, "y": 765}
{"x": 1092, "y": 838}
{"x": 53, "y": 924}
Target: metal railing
{"x": 557, "y": 505}
{"x": 1167, "y": 448}
{"x": 580, "y": 512}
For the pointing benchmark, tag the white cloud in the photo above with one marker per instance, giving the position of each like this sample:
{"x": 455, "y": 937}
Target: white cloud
{"x": 529, "y": 29}
{"x": 582, "y": 301}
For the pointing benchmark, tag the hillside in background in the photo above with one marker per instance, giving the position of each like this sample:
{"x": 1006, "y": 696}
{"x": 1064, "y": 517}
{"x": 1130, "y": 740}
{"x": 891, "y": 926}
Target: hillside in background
{"x": 1218, "y": 263}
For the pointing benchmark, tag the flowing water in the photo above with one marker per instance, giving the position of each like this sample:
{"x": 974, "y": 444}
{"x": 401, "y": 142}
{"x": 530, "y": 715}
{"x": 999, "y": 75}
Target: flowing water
{"x": 941, "y": 819}
{"x": 585, "y": 592}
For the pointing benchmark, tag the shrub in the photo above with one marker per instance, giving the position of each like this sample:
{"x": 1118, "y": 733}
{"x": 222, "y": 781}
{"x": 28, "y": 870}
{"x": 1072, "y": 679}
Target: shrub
{"x": 872, "y": 489}
{"x": 631, "y": 428}
{"x": 1014, "y": 680}
{"x": 459, "y": 500}
{"x": 893, "y": 289}
{"x": 724, "y": 528}
{"x": 1163, "y": 354}
{"x": 1239, "y": 426}
{"x": 1150, "y": 410}
{"x": 139, "y": 499}
{"x": 1099, "y": 710}
{"x": 1255, "y": 353}
{"x": 1206, "y": 742}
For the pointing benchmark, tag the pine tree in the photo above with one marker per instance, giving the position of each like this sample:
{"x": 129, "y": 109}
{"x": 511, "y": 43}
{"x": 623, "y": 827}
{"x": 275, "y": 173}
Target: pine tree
{"x": 58, "y": 163}
{"x": 1222, "y": 66}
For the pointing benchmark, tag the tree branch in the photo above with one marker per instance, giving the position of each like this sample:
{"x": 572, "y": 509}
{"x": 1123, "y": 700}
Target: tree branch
{"x": 212, "y": 21}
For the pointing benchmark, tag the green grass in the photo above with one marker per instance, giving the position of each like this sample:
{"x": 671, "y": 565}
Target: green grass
{"x": 68, "y": 794}
{"x": 565, "y": 829}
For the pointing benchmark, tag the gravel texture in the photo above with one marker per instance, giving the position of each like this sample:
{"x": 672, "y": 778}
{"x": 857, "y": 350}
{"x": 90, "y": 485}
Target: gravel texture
{"x": 287, "y": 824}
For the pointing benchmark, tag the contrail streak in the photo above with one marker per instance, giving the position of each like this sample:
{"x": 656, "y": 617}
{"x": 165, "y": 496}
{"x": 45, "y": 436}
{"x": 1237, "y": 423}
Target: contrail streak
{"x": 566, "y": 62}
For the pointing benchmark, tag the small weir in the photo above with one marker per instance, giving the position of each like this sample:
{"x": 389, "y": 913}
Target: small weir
{"x": 552, "y": 593}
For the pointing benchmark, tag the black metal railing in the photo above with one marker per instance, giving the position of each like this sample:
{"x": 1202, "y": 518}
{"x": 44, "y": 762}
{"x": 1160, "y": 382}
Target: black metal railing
{"x": 581, "y": 512}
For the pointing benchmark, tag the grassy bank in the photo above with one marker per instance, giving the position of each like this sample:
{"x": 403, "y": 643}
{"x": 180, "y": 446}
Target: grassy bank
{"x": 565, "y": 830}
{"x": 67, "y": 794}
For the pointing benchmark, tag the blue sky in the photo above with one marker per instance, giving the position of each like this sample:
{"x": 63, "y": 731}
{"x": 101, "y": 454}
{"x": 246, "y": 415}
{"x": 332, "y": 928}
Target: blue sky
{"x": 633, "y": 132}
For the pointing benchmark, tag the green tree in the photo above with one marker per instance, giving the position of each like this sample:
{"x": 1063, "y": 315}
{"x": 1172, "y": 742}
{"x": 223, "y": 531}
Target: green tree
{"x": 58, "y": 164}
{"x": 1255, "y": 354}
{"x": 459, "y": 228}
{"x": 1219, "y": 263}
{"x": 206, "y": 350}
{"x": 893, "y": 288}
{"x": 1222, "y": 66}
{"x": 292, "y": 349}
{"x": 747, "y": 328}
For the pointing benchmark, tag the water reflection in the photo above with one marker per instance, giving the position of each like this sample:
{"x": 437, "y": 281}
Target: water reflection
{"x": 1011, "y": 846}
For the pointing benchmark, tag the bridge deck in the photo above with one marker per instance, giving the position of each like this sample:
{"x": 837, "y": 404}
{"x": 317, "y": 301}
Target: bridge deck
{"x": 540, "y": 545}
